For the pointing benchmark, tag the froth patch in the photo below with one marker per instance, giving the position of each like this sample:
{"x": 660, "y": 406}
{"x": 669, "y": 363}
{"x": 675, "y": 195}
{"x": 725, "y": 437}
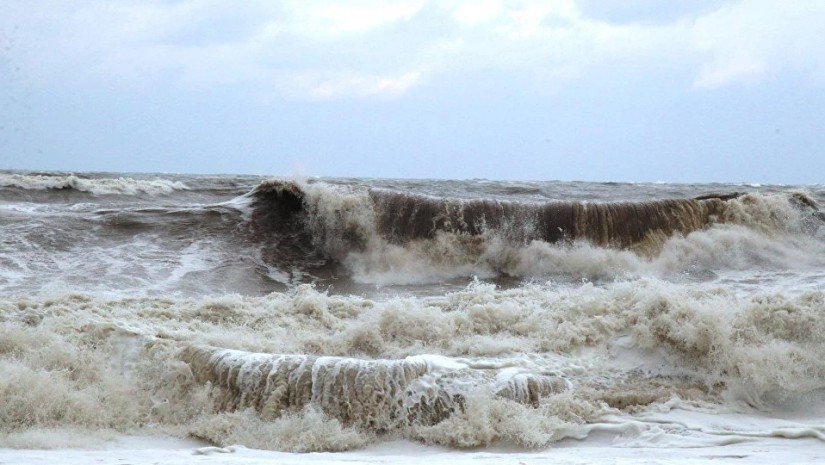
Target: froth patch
{"x": 305, "y": 431}
{"x": 478, "y": 366}
{"x": 55, "y": 438}
{"x": 487, "y": 419}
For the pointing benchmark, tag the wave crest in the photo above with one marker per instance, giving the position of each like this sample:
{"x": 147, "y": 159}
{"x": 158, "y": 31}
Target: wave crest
{"x": 98, "y": 186}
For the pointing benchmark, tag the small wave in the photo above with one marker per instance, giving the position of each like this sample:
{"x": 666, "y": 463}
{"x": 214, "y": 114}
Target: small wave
{"x": 96, "y": 186}
{"x": 416, "y": 390}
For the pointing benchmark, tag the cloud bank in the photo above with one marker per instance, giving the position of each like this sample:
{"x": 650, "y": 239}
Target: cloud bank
{"x": 328, "y": 50}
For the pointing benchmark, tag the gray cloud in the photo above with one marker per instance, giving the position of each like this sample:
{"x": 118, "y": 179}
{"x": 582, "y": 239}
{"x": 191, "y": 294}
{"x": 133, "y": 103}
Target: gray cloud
{"x": 368, "y": 49}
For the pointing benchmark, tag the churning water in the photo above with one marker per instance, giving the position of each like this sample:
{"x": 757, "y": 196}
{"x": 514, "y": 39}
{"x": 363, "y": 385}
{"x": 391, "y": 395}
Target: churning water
{"x": 305, "y": 314}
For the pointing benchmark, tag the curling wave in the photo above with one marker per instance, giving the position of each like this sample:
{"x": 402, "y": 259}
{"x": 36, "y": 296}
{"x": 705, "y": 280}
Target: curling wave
{"x": 402, "y": 217}
{"x": 389, "y": 237}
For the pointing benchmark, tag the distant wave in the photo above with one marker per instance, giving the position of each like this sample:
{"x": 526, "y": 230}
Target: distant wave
{"x": 100, "y": 186}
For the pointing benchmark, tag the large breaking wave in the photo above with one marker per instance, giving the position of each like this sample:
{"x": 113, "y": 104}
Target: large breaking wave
{"x": 390, "y": 237}
{"x": 345, "y": 218}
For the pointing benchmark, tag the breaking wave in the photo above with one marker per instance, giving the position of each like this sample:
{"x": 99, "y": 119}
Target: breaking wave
{"x": 353, "y": 237}
{"x": 96, "y": 186}
{"x": 388, "y": 237}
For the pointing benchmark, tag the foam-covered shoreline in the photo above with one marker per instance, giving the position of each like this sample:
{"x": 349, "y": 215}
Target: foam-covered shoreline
{"x": 603, "y": 451}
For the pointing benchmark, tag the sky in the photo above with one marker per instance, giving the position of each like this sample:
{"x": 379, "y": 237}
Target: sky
{"x": 594, "y": 90}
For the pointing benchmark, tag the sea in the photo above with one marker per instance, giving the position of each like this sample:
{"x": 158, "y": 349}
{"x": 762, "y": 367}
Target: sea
{"x": 305, "y": 314}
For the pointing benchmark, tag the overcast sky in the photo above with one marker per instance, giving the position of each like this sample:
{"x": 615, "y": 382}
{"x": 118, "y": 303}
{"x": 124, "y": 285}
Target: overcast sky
{"x": 601, "y": 90}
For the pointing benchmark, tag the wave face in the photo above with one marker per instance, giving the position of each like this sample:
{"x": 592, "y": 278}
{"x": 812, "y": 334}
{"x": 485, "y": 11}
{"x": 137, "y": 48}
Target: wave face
{"x": 349, "y": 218}
{"x": 403, "y": 217}
{"x": 309, "y": 315}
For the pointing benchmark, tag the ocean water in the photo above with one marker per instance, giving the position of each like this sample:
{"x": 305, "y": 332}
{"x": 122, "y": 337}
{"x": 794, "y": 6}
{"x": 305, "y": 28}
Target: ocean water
{"x": 336, "y": 314}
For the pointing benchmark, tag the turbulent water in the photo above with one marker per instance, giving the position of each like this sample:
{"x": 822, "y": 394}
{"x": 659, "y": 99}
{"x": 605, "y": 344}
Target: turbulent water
{"x": 309, "y": 314}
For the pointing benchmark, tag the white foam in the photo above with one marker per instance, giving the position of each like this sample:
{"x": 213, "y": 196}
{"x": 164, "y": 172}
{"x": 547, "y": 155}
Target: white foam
{"x": 707, "y": 253}
{"x": 74, "y": 363}
{"x": 143, "y": 264}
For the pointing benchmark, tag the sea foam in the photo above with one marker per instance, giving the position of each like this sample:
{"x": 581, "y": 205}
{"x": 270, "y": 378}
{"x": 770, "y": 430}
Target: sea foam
{"x": 529, "y": 365}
